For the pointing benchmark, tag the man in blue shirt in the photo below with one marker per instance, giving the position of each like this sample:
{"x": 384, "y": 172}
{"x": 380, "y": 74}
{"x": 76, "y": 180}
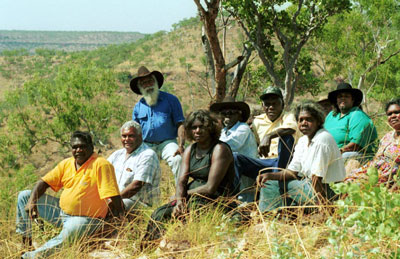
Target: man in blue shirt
{"x": 161, "y": 117}
{"x": 238, "y": 135}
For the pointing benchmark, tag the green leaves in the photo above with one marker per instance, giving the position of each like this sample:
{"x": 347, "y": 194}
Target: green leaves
{"x": 368, "y": 215}
{"x": 73, "y": 97}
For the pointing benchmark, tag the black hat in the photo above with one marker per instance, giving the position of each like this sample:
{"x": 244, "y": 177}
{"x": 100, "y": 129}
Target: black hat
{"x": 143, "y": 72}
{"x": 229, "y": 103}
{"x": 345, "y": 87}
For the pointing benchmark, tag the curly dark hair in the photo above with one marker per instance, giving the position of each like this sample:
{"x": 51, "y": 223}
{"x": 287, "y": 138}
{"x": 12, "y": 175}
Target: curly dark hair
{"x": 391, "y": 102}
{"x": 313, "y": 108}
{"x": 85, "y": 136}
{"x": 210, "y": 121}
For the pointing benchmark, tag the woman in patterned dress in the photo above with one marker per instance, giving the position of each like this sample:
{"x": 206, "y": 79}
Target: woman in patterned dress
{"x": 387, "y": 159}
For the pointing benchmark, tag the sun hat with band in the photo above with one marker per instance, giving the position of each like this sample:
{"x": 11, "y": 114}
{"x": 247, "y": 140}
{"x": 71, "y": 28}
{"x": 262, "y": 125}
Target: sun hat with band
{"x": 143, "y": 72}
{"x": 229, "y": 103}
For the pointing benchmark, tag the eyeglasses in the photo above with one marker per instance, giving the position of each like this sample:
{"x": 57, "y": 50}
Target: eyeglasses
{"x": 230, "y": 112}
{"x": 391, "y": 113}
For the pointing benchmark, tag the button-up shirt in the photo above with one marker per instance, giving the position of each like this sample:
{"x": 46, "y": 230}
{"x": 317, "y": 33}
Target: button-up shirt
{"x": 141, "y": 165}
{"x": 159, "y": 122}
{"x": 241, "y": 139}
{"x": 262, "y": 126}
{"x": 320, "y": 157}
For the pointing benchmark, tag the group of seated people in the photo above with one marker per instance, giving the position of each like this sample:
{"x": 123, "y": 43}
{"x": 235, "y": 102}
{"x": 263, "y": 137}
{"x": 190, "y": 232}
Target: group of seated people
{"x": 226, "y": 158}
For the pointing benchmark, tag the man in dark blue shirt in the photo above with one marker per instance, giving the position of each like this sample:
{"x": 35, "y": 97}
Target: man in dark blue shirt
{"x": 161, "y": 117}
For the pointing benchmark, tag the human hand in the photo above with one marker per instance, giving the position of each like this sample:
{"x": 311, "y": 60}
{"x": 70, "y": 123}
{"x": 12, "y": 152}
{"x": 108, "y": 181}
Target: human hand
{"x": 261, "y": 179}
{"x": 179, "y": 209}
{"x": 263, "y": 148}
{"x": 31, "y": 210}
{"x": 179, "y": 151}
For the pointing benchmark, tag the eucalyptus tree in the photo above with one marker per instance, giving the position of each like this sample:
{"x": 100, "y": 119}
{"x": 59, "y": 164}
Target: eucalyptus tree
{"x": 208, "y": 11}
{"x": 362, "y": 47}
{"x": 279, "y": 30}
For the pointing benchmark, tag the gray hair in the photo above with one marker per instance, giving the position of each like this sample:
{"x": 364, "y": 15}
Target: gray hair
{"x": 311, "y": 107}
{"x": 132, "y": 124}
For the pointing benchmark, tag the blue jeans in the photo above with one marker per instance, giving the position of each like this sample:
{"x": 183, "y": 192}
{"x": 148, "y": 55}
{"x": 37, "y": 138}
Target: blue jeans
{"x": 297, "y": 193}
{"x": 73, "y": 227}
{"x": 166, "y": 150}
{"x": 250, "y": 167}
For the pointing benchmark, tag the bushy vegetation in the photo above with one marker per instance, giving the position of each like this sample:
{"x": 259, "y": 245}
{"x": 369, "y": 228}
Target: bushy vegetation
{"x": 53, "y": 93}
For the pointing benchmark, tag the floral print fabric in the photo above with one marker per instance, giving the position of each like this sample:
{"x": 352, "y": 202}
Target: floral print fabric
{"x": 386, "y": 160}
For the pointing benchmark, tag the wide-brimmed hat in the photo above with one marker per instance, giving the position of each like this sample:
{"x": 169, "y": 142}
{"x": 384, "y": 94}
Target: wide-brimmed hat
{"x": 143, "y": 72}
{"x": 271, "y": 90}
{"x": 229, "y": 103}
{"x": 346, "y": 87}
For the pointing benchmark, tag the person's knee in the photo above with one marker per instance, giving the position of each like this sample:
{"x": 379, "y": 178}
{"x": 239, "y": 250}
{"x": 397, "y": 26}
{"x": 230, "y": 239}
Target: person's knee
{"x": 23, "y": 196}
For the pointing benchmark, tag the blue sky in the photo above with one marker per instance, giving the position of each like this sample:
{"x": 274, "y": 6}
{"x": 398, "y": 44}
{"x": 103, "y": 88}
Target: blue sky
{"x": 145, "y": 16}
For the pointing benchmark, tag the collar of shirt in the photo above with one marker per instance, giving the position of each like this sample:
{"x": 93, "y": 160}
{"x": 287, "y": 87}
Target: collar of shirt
{"x": 351, "y": 110}
{"x": 264, "y": 116}
{"x": 234, "y": 127}
{"x": 93, "y": 156}
{"x": 137, "y": 150}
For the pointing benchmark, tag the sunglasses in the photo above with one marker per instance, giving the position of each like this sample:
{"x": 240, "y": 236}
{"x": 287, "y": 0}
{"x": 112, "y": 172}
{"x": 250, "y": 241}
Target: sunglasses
{"x": 230, "y": 112}
{"x": 391, "y": 113}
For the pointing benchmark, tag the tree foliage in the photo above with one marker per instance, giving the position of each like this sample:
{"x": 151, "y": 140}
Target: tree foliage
{"x": 362, "y": 47}
{"x": 50, "y": 108}
{"x": 278, "y": 30}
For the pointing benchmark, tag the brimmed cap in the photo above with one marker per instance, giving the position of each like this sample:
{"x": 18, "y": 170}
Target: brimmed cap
{"x": 271, "y": 90}
{"x": 143, "y": 72}
{"x": 229, "y": 103}
{"x": 346, "y": 87}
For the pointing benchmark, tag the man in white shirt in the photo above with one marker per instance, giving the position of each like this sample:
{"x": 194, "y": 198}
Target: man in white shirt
{"x": 137, "y": 168}
{"x": 316, "y": 163}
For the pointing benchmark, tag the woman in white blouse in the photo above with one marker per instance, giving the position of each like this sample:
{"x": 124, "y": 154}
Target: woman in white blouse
{"x": 316, "y": 163}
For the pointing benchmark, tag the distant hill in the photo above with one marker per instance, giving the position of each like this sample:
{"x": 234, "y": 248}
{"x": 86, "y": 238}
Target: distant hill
{"x": 63, "y": 40}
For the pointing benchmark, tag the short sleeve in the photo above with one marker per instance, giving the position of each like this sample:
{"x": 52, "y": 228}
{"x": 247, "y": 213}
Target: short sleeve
{"x": 176, "y": 108}
{"x": 361, "y": 129}
{"x": 289, "y": 122}
{"x": 106, "y": 181}
{"x": 321, "y": 161}
{"x": 146, "y": 169}
{"x": 295, "y": 164}
{"x": 54, "y": 177}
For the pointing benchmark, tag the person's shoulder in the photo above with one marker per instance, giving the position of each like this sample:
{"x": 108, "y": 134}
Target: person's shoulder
{"x": 324, "y": 137}
{"x": 99, "y": 160}
{"x": 67, "y": 162}
{"x": 357, "y": 112}
{"x": 117, "y": 152}
{"x": 167, "y": 95}
{"x": 222, "y": 147}
{"x": 287, "y": 116}
{"x": 145, "y": 150}
{"x": 243, "y": 125}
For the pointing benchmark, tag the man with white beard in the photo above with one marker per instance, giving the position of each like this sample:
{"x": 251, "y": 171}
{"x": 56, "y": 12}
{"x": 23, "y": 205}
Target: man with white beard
{"x": 161, "y": 117}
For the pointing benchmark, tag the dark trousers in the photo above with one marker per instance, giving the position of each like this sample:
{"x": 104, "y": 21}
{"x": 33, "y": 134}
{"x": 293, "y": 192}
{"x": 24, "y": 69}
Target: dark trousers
{"x": 250, "y": 167}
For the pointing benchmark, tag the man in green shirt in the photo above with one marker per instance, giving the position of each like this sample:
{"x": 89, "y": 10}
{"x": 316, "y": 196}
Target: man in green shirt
{"x": 352, "y": 129}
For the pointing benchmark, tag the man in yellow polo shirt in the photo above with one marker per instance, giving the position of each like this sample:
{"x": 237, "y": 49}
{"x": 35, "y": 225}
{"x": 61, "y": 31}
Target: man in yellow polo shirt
{"x": 275, "y": 131}
{"x": 90, "y": 190}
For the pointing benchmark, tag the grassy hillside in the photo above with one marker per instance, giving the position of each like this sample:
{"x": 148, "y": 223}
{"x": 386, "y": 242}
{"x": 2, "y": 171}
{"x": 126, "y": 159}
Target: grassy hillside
{"x": 63, "y": 40}
{"x": 47, "y": 95}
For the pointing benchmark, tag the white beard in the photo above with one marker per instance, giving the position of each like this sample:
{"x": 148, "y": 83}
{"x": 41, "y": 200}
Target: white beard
{"x": 151, "y": 97}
